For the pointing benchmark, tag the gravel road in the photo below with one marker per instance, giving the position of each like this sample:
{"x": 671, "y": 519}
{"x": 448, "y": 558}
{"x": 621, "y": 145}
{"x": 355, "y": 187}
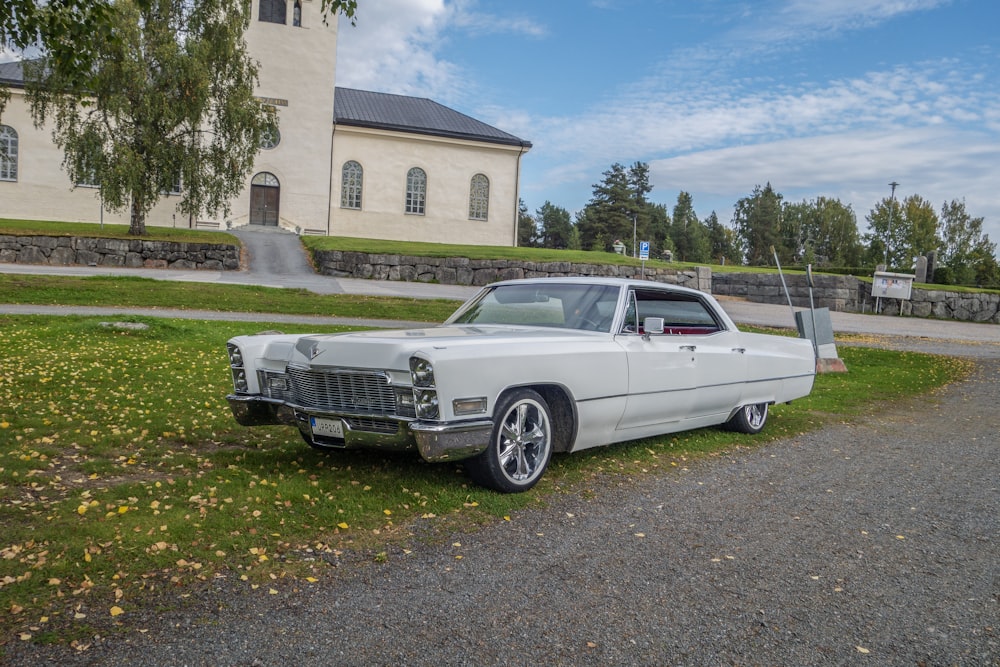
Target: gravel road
{"x": 868, "y": 543}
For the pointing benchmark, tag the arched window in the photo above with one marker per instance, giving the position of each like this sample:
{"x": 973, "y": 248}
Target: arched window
{"x": 8, "y": 153}
{"x": 416, "y": 191}
{"x": 272, "y": 11}
{"x": 297, "y": 14}
{"x": 350, "y": 185}
{"x": 479, "y": 198}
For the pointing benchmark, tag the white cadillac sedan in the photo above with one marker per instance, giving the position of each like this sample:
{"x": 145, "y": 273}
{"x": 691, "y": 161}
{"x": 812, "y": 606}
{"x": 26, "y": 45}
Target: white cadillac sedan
{"x": 524, "y": 369}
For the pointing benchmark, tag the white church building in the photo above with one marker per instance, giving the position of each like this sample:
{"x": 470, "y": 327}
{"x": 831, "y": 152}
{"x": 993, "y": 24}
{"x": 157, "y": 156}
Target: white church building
{"x": 344, "y": 162}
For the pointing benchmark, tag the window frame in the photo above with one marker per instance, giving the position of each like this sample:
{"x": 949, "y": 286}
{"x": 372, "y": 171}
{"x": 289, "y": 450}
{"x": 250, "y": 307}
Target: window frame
{"x": 416, "y": 192}
{"x": 479, "y": 197}
{"x": 352, "y": 185}
{"x": 268, "y": 11}
{"x": 9, "y": 154}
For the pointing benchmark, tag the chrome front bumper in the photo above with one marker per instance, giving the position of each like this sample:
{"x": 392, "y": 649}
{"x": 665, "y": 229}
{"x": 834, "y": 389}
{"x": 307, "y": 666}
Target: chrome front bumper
{"x": 435, "y": 442}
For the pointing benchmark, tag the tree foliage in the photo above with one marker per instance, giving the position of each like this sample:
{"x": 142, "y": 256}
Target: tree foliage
{"x": 527, "y": 227}
{"x": 965, "y": 251}
{"x": 619, "y": 210}
{"x": 900, "y": 231}
{"x": 821, "y": 232}
{"x": 757, "y": 219}
{"x": 723, "y": 243}
{"x": 688, "y": 234}
{"x": 170, "y": 100}
{"x": 556, "y": 228}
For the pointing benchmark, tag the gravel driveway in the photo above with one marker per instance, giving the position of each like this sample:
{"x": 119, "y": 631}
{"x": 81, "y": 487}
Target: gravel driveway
{"x": 870, "y": 543}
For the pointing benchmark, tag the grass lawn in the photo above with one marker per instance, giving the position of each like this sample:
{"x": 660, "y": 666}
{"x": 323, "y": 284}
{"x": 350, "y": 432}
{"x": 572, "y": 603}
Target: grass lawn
{"x": 123, "y": 475}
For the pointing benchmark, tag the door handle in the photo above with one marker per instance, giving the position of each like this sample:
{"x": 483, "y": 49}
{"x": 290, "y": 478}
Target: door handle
{"x": 689, "y": 348}
{"x": 741, "y": 350}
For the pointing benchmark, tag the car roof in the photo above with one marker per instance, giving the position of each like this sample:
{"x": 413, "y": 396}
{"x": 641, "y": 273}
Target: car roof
{"x": 596, "y": 280}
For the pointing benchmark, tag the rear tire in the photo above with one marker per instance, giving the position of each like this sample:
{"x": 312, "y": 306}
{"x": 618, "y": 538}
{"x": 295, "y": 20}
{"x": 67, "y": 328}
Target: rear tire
{"x": 749, "y": 419}
{"x": 520, "y": 444}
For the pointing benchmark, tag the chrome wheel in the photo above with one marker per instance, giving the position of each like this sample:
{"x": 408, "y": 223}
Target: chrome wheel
{"x": 749, "y": 419}
{"x": 520, "y": 447}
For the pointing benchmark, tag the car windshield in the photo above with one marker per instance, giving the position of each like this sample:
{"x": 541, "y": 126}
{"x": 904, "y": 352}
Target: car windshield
{"x": 567, "y": 306}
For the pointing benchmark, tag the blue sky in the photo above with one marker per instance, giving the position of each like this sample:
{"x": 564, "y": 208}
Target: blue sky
{"x": 833, "y": 98}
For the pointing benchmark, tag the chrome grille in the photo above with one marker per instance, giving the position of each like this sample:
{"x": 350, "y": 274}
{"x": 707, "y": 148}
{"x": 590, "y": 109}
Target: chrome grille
{"x": 343, "y": 390}
{"x": 373, "y": 425}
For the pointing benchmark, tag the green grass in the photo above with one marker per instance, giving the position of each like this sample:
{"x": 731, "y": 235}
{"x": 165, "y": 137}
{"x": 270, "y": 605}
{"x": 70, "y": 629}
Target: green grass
{"x": 147, "y": 293}
{"x": 122, "y": 473}
{"x": 111, "y": 231}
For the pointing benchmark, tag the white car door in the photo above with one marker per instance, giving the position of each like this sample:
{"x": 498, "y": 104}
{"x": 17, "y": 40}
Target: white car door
{"x": 721, "y": 372}
{"x": 662, "y": 379}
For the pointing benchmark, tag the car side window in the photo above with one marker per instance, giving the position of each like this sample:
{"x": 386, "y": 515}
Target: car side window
{"x": 682, "y": 314}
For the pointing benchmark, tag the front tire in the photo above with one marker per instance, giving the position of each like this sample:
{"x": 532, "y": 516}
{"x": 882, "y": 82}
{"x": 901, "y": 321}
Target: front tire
{"x": 749, "y": 419}
{"x": 520, "y": 445}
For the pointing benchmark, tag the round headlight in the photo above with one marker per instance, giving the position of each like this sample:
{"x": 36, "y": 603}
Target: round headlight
{"x": 427, "y": 404}
{"x": 235, "y": 356}
{"x": 422, "y": 372}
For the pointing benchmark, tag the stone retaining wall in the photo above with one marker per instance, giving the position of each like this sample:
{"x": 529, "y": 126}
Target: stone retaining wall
{"x": 850, "y": 294}
{"x": 464, "y": 271}
{"x": 833, "y": 292}
{"x": 939, "y": 303}
{"x": 132, "y": 253}
{"x": 838, "y": 293}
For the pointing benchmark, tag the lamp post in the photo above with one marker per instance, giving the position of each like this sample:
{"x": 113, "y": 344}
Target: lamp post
{"x": 892, "y": 200}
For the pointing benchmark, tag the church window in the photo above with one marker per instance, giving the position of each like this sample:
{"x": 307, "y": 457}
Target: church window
{"x": 479, "y": 198}
{"x": 272, "y": 11}
{"x": 270, "y": 138}
{"x": 351, "y": 181}
{"x": 297, "y": 14}
{"x": 416, "y": 191}
{"x": 8, "y": 153}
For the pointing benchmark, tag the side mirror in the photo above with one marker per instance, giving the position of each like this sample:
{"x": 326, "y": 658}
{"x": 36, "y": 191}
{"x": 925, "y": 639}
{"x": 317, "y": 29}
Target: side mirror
{"x": 652, "y": 325}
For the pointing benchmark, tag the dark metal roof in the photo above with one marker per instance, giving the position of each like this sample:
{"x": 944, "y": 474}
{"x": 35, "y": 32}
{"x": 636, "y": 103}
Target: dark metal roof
{"x": 12, "y": 74}
{"x": 363, "y": 108}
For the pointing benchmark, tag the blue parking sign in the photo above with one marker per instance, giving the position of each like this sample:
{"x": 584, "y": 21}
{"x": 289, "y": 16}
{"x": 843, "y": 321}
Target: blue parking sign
{"x": 644, "y": 250}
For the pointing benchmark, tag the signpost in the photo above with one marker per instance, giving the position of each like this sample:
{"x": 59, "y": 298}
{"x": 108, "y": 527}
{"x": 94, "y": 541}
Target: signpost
{"x": 643, "y": 255}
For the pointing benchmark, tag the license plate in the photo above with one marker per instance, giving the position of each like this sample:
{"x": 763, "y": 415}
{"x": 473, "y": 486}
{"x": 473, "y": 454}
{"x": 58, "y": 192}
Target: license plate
{"x": 331, "y": 428}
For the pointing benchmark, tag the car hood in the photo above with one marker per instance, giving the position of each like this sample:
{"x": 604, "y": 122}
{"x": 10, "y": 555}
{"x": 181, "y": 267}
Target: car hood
{"x": 393, "y": 348}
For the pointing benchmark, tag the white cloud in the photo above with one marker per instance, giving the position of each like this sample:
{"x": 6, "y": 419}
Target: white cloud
{"x": 394, "y": 46}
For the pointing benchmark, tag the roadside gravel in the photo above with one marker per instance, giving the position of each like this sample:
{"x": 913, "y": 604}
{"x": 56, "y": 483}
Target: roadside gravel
{"x": 867, "y": 543}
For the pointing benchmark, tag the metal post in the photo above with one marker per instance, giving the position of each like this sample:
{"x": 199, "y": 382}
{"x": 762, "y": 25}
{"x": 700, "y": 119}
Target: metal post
{"x": 635, "y": 225}
{"x": 892, "y": 200}
{"x": 783, "y": 284}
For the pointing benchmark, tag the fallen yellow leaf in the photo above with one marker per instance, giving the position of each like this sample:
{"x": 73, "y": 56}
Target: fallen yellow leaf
{"x": 117, "y": 611}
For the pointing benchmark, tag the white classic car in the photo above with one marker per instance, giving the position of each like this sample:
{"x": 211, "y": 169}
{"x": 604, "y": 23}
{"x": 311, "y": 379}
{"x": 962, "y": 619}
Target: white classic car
{"x": 524, "y": 369}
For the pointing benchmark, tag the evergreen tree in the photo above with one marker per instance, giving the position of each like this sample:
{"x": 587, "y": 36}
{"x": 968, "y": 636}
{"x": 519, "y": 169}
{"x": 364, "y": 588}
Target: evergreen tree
{"x": 556, "y": 226}
{"x": 757, "y": 221}
{"x": 689, "y": 235}
{"x": 723, "y": 244}
{"x": 527, "y": 227}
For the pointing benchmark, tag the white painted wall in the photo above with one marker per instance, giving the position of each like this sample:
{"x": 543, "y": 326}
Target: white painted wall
{"x": 386, "y": 157}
